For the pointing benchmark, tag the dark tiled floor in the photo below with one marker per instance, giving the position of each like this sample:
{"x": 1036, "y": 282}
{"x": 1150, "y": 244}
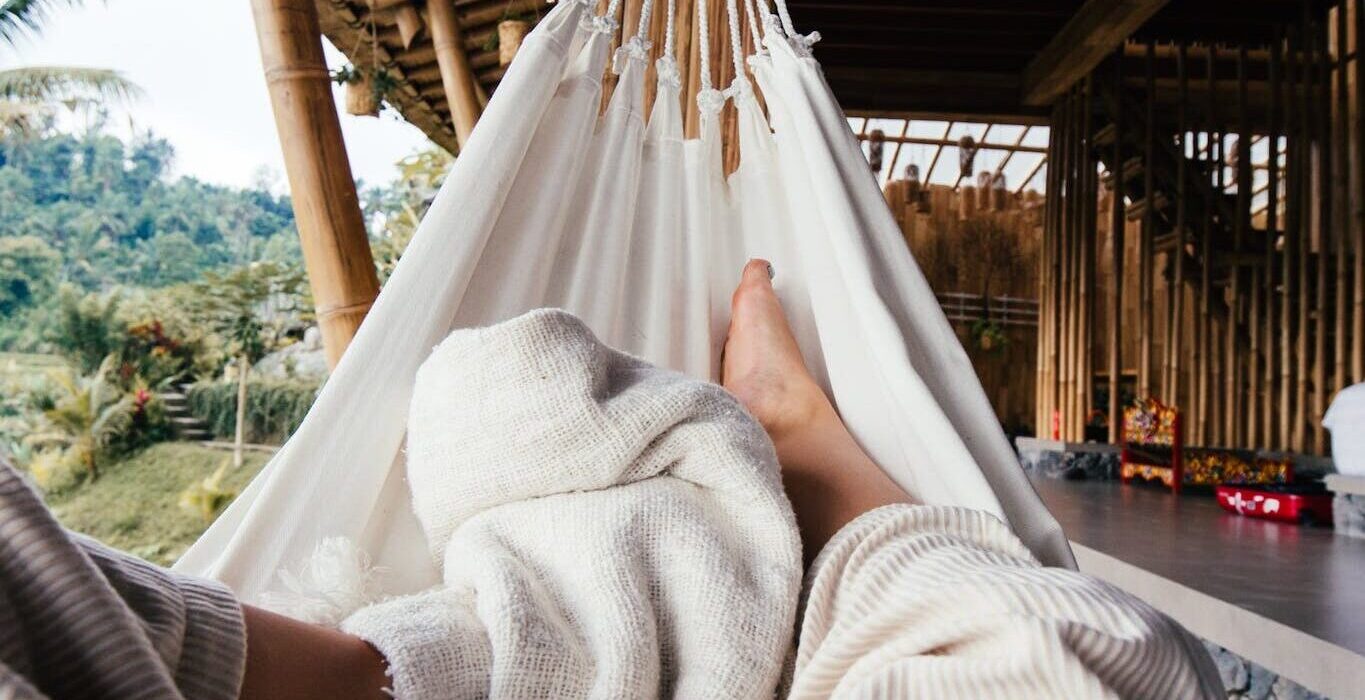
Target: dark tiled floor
{"x": 1306, "y": 578}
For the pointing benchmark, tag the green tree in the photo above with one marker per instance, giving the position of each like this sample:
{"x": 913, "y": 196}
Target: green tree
{"x": 28, "y": 270}
{"x": 253, "y": 307}
{"x": 85, "y": 328}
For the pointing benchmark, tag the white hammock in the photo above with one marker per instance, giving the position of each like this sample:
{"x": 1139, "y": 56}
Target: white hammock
{"x": 619, "y": 220}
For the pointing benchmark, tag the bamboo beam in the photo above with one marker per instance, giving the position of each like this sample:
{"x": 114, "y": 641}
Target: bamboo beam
{"x": 457, "y": 77}
{"x": 1092, "y": 33}
{"x": 1018, "y": 145}
{"x": 933, "y": 162}
{"x": 336, "y": 252}
{"x": 1010, "y": 148}
{"x": 409, "y": 23}
{"x": 1024, "y": 183}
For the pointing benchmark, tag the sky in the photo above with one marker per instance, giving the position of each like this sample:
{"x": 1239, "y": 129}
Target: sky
{"x": 200, "y": 67}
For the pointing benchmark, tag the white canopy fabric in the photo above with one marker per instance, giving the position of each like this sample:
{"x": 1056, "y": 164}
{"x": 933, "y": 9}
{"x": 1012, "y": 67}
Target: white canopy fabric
{"x": 621, "y": 221}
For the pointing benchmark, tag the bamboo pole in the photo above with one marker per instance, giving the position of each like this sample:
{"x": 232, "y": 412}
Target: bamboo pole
{"x": 1086, "y": 248}
{"x": 336, "y": 252}
{"x": 1323, "y": 195}
{"x": 1147, "y": 234}
{"x": 1301, "y": 406}
{"x": 1271, "y": 438}
{"x": 457, "y": 78}
{"x": 1358, "y": 130}
{"x": 1175, "y": 329}
{"x": 1246, "y": 357}
{"x": 1056, "y": 177}
{"x": 1044, "y": 308}
{"x": 1065, "y": 393}
{"x": 1116, "y": 228}
{"x": 1204, "y": 417}
{"x": 1293, "y": 198}
{"x": 1341, "y": 170}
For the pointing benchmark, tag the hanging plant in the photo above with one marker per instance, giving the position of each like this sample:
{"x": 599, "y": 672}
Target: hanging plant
{"x": 365, "y": 89}
{"x": 966, "y": 155}
{"x": 509, "y": 35}
{"x": 989, "y": 336}
{"x": 876, "y": 144}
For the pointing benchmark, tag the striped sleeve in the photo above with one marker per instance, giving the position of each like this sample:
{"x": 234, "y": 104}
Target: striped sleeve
{"x": 936, "y": 602}
{"x": 83, "y": 621}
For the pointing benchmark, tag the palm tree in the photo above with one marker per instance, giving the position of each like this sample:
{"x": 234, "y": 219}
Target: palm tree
{"x": 29, "y": 95}
{"x": 89, "y": 415}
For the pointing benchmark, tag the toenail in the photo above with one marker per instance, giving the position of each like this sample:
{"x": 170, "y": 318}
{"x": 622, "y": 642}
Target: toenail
{"x": 770, "y": 271}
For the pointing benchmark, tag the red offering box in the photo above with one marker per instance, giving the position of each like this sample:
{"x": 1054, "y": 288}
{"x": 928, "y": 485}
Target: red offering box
{"x": 1288, "y": 503}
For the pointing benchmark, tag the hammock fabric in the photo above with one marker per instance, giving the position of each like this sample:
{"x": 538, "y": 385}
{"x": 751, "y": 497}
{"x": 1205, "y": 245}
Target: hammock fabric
{"x": 619, "y": 220}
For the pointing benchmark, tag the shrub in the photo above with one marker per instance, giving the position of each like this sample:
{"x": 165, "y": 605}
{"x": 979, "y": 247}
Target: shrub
{"x": 274, "y": 407}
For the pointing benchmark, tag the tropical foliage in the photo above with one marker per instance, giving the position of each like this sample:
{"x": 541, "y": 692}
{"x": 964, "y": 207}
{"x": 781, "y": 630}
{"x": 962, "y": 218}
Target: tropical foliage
{"x": 274, "y": 407}
{"x": 31, "y": 96}
{"x": 85, "y": 420}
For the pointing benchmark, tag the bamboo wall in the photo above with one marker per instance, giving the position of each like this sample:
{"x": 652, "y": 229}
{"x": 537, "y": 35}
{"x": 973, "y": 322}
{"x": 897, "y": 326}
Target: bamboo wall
{"x": 981, "y": 243}
{"x": 1242, "y": 288}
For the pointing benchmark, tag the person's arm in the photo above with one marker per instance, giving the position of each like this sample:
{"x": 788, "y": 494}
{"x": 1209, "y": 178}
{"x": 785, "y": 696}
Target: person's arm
{"x": 287, "y": 659}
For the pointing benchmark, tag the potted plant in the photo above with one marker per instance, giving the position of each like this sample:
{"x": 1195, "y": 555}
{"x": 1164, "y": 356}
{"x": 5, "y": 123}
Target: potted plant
{"x": 365, "y": 89}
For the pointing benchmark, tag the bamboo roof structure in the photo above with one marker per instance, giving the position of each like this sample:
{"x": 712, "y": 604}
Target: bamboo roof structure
{"x": 420, "y": 96}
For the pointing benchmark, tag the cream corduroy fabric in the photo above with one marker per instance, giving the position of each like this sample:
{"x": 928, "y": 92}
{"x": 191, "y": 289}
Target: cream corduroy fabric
{"x": 944, "y": 602}
{"x": 604, "y": 528}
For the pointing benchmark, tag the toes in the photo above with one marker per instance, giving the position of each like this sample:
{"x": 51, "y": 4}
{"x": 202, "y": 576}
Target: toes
{"x": 756, "y": 279}
{"x": 757, "y": 271}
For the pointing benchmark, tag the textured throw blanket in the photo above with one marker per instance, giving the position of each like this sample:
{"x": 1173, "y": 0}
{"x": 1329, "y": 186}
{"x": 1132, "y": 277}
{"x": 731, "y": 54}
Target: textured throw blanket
{"x": 604, "y": 528}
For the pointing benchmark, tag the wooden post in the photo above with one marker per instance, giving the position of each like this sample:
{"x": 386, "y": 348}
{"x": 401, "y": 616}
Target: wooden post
{"x": 1323, "y": 96}
{"x": 1246, "y": 357}
{"x": 326, "y": 209}
{"x": 1066, "y": 308}
{"x": 1341, "y": 198}
{"x": 1116, "y": 227}
{"x": 1086, "y": 265}
{"x": 457, "y": 78}
{"x": 1293, "y": 192}
{"x": 1306, "y": 128}
{"x": 1175, "y": 329}
{"x": 1358, "y": 131}
{"x": 1272, "y": 225}
{"x": 1148, "y": 233}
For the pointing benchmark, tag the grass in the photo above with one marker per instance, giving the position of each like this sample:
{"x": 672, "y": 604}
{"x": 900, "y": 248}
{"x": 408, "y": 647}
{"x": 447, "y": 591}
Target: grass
{"x": 134, "y": 505}
{"x": 22, "y": 362}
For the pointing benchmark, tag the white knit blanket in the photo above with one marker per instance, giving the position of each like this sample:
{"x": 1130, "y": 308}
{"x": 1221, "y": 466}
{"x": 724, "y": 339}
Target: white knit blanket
{"x": 604, "y": 528}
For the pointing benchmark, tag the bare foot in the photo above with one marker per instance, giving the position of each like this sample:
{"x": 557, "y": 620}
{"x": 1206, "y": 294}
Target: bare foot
{"x": 827, "y": 475}
{"x": 762, "y": 366}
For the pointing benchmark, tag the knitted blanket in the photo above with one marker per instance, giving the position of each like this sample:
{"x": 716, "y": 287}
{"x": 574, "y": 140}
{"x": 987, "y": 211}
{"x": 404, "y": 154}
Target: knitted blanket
{"x": 604, "y": 528}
